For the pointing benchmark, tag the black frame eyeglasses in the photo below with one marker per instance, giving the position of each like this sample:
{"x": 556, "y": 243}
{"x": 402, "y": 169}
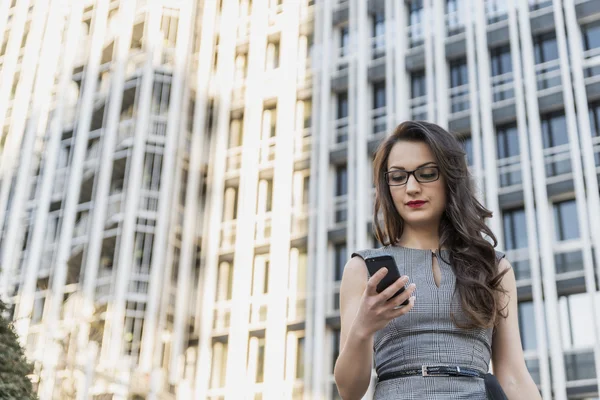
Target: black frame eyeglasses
{"x": 409, "y": 173}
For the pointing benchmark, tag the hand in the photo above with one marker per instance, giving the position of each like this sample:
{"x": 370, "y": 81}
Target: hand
{"x": 376, "y": 310}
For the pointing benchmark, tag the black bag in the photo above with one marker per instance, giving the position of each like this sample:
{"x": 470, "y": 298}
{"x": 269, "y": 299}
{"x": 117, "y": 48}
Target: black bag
{"x": 493, "y": 389}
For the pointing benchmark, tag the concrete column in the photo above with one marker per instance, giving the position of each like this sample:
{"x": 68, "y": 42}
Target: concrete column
{"x": 279, "y": 250}
{"x": 37, "y": 126}
{"x": 111, "y": 352}
{"x": 528, "y": 192}
{"x": 441, "y": 64}
{"x": 428, "y": 22}
{"x": 320, "y": 198}
{"x": 362, "y": 182}
{"x": 396, "y": 46}
{"x": 474, "y": 100}
{"x": 577, "y": 168}
{"x": 487, "y": 123}
{"x": 544, "y": 211}
{"x": 7, "y": 75}
{"x": 13, "y": 151}
{"x": 245, "y": 227}
{"x": 71, "y": 201}
{"x": 102, "y": 186}
{"x": 188, "y": 246}
{"x": 216, "y": 173}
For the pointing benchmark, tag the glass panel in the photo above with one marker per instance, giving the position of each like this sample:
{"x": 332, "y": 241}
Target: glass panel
{"x": 565, "y": 220}
{"x": 533, "y": 366}
{"x": 576, "y": 320}
{"x": 568, "y": 262}
{"x": 459, "y": 73}
{"x": 340, "y": 260}
{"x": 418, "y": 86}
{"x": 591, "y": 36}
{"x": 580, "y": 366}
{"x": 527, "y": 325}
{"x": 515, "y": 229}
{"x": 341, "y": 187}
{"x": 379, "y": 95}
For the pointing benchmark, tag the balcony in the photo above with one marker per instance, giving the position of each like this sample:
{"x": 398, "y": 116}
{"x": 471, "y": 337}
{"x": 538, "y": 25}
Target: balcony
{"x": 233, "y": 162}
{"x": 222, "y": 318}
{"x": 305, "y": 75}
{"x": 114, "y": 208}
{"x": 548, "y": 76}
{"x": 243, "y": 29}
{"x": 60, "y": 181}
{"x": 158, "y": 127}
{"x": 519, "y": 259}
{"x": 135, "y": 63}
{"x": 455, "y": 24}
{"x": 238, "y": 97}
{"x": 459, "y": 101}
{"x": 262, "y": 233}
{"x": 557, "y": 161}
{"x": 591, "y": 68}
{"x": 495, "y": 11}
{"x": 596, "y": 144}
{"x": 267, "y": 152}
{"x": 299, "y": 226}
{"x": 274, "y": 14}
{"x": 296, "y": 307}
{"x": 228, "y": 235}
{"x": 339, "y": 211}
{"x": 340, "y": 136}
{"x": 333, "y": 301}
{"x": 125, "y": 133}
{"x": 379, "y": 122}
{"x": 416, "y": 38}
{"x": 303, "y": 145}
{"x": 258, "y": 312}
{"x": 418, "y": 108}
{"x": 378, "y": 49}
{"x": 509, "y": 173}
{"x": 503, "y": 88}
{"x": 81, "y": 228}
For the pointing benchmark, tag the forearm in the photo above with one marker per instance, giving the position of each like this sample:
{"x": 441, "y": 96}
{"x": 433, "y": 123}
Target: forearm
{"x": 353, "y": 367}
{"x": 520, "y": 387}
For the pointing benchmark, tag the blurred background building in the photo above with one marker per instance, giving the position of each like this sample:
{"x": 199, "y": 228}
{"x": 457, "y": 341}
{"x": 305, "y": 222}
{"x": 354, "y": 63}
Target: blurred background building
{"x": 182, "y": 182}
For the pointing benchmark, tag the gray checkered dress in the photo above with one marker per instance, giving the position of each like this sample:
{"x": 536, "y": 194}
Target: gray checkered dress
{"x": 427, "y": 335}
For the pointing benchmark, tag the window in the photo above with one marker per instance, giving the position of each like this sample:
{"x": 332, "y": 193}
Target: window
{"x": 467, "y": 143}
{"x": 565, "y": 220}
{"x": 272, "y": 56}
{"x": 459, "y": 74}
{"x": 500, "y": 60}
{"x": 527, "y": 325}
{"x": 576, "y": 320}
{"x": 224, "y": 282}
{"x": 335, "y": 347}
{"x": 418, "y": 84}
{"x": 554, "y": 130}
{"x": 300, "y": 358}
{"x": 340, "y": 250}
{"x": 379, "y": 95}
{"x": 545, "y": 48}
{"x": 344, "y": 40}
{"x": 342, "y": 105}
{"x": 591, "y": 35}
{"x": 594, "y": 110}
{"x": 260, "y": 362}
{"x": 341, "y": 181}
{"x": 507, "y": 137}
{"x": 219, "y": 365}
{"x": 515, "y": 229}
{"x": 415, "y": 12}
{"x": 379, "y": 24}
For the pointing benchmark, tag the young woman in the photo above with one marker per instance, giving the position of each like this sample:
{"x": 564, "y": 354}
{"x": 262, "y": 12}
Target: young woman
{"x": 462, "y": 307}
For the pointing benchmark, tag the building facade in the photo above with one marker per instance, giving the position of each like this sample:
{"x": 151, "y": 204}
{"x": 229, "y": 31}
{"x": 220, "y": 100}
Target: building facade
{"x": 177, "y": 226}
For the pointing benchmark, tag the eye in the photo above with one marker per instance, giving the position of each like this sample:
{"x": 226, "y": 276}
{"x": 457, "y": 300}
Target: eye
{"x": 428, "y": 173}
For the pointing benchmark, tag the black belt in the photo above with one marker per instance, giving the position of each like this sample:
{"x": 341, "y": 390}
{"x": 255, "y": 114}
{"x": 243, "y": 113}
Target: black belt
{"x": 433, "y": 370}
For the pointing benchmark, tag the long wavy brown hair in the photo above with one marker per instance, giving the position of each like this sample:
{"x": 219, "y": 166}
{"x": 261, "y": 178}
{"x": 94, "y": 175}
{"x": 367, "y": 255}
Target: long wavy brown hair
{"x": 462, "y": 226}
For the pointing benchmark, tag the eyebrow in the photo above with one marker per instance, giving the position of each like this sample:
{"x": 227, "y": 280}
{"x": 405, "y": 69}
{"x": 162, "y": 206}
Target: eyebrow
{"x": 422, "y": 165}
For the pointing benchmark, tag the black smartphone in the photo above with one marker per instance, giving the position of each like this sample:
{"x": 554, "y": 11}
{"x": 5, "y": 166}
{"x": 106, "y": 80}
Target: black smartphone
{"x": 374, "y": 264}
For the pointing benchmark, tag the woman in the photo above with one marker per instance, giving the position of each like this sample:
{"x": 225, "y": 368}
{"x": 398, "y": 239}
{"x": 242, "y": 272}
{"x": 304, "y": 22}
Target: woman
{"x": 462, "y": 307}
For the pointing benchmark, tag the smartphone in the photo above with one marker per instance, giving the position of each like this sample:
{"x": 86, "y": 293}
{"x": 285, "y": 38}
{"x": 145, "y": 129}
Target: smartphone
{"x": 374, "y": 264}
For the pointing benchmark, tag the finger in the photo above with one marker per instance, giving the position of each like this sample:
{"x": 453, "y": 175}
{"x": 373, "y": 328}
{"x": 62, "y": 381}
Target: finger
{"x": 394, "y": 287}
{"x": 397, "y": 312}
{"x": 374, "y": 281}
{"x": 407, "y": 294}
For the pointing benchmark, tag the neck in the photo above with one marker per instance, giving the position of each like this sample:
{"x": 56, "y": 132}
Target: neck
{"x": 420, "y": 238}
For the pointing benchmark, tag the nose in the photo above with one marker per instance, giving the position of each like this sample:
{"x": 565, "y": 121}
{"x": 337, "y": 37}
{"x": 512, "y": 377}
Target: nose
{"x": 412, "y": 186}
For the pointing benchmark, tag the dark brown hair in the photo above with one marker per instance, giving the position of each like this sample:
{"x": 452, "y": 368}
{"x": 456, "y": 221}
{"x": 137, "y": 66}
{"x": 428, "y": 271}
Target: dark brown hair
{"x": 472, "y": 257}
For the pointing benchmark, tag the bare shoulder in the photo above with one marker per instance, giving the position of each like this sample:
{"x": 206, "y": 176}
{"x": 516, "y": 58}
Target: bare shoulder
{"x": 355, "y": 276}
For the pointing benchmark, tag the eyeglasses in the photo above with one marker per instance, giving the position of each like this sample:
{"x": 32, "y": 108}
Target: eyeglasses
{"x": 422, "y": 175}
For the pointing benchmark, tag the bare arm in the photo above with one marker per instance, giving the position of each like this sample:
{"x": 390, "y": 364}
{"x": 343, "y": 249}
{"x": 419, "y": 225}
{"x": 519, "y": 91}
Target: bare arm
{"x": 507, "y": 353}
{"x": 363, "y": 311}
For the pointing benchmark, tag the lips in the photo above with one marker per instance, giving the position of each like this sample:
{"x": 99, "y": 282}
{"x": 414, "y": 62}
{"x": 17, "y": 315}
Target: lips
{"x": 415, "y": 203}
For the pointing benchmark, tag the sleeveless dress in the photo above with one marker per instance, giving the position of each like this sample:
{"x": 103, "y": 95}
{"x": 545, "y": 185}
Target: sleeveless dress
{"x": 426, "y": 335}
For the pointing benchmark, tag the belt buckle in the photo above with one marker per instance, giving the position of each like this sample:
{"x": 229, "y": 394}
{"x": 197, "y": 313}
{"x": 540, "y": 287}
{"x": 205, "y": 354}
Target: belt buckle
{"x": 425, "y": 371}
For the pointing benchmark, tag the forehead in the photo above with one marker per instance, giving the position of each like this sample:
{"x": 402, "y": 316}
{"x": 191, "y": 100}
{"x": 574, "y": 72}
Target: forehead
{"x": 410, "y": 155}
